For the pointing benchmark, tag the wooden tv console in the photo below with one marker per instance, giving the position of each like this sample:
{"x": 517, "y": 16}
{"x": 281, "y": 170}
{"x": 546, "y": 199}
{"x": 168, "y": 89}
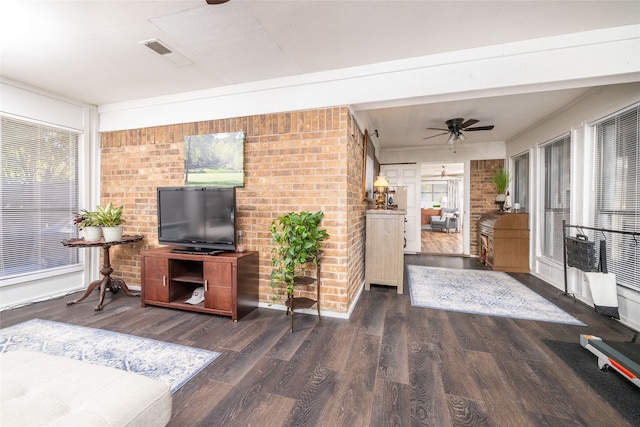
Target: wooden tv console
{"x": 230, "y": 281}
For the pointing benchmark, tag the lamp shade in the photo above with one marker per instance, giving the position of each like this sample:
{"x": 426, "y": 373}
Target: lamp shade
{"x": 381, "y": 182}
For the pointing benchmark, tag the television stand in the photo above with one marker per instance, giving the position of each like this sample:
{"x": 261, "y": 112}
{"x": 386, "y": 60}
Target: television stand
{"x": 229, "y": 279}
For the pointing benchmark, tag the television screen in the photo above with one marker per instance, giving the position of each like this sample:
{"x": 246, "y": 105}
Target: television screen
{"x": 199, "y": 219}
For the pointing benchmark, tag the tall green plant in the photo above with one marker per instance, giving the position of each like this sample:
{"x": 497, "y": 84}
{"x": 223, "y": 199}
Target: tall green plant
{"x": 297, "y": 238}
{"x": 501, "y": 180}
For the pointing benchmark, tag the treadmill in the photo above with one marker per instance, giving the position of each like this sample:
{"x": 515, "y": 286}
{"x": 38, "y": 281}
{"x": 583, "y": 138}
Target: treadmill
{"x": 624, "y": 357}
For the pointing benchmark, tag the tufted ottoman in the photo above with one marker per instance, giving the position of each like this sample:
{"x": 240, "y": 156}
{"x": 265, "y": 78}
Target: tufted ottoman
{"x": 38, "y": 389}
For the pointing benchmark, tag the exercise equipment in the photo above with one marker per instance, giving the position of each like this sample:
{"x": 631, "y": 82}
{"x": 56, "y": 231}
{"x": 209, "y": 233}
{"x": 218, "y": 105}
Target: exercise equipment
{"x": 624, "y": 357}
{"x": 579, "y": 252}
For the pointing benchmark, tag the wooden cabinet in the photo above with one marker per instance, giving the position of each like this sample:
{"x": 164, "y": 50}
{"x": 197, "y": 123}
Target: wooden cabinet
{"x": 426, "y": 214}
{"x": 504, "y": 241}
{"x": 230, "y": 281}
{"x": 384, "y": 260}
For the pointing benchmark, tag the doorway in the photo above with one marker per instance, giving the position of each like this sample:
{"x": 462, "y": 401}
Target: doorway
{"x": 442, "y": 197}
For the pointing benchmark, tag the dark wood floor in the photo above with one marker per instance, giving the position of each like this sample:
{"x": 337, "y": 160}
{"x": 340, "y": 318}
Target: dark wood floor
{"x": 389, "y": 364}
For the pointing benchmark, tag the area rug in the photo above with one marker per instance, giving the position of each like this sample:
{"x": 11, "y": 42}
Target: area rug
{"x": 610, "y": 385}
{"x": 172, "y": 363}
{"x": 480, "y": 292}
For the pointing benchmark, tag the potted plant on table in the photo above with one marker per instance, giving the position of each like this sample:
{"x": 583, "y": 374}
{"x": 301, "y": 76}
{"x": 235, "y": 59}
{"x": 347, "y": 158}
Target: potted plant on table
{"x": 297, "y": 239}
{"x": 88, "y": 223}
{"x": 110, "y": 219}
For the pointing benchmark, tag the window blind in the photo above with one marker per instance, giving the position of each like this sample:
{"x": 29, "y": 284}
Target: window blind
{"x": 617, "y": 191}
{"x": 38, "y": 196}
{"x": 557, "y": 195}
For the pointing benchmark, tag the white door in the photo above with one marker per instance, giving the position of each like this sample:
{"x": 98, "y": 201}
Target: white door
{"x": 409, "y": 177}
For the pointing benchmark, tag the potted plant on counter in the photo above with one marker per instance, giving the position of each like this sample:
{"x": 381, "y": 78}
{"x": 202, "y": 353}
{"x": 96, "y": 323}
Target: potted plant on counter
{"x": 297, "y": 239}
{"x": 110, "y": 219}
{"x": 501, "y": 182}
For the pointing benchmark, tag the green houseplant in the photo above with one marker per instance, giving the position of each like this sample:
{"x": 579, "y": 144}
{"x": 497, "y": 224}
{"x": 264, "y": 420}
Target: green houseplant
{"x": 109, "y": 216}
{"x": 501, "y": 180}
{"x": 87, "y": 222}
{"x": 110, "y": 219}
{"x": 297, "y": 238}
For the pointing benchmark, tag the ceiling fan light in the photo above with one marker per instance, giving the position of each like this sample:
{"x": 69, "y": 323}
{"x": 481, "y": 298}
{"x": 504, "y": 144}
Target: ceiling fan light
{"x": 461, "y": 137}
{"x": 452, "y": 138}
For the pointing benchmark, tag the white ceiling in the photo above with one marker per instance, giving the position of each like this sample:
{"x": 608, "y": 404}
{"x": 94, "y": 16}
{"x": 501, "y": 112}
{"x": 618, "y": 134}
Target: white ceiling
{"x": 91, "y": 51}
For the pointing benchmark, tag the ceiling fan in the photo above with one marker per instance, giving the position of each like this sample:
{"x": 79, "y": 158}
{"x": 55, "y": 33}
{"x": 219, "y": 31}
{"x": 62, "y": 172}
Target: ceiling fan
{"x": 455, "y": 128}
{"x": 445, "y": 174}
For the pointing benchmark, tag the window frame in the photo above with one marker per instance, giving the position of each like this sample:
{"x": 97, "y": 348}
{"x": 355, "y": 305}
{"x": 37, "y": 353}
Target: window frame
{"x": 75, "y": 259}
{"x": 608, "y": 210}
{"x": 521, "y": 166}
{"x": 550, "y": 239}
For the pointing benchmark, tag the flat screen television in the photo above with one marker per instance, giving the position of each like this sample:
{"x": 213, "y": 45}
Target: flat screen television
{"x": 197, "y": 219}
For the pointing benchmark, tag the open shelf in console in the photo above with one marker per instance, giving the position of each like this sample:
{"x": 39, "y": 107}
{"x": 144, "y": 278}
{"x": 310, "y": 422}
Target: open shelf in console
{"x": 187, "y": 271}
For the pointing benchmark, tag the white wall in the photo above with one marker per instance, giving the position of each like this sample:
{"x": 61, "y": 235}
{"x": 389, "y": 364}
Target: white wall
{"x": 30, "y": 104}
{"x": 464, "y": 152}
{"x": 576, "y": 119}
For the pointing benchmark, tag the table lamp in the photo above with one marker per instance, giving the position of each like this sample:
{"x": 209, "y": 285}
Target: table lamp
{"x": 380, "y": 187}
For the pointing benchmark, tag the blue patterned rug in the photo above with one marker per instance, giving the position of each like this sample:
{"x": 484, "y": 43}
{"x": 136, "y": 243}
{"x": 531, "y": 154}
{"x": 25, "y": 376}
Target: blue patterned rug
{"x": 492, "y": 293}
{"x": 172, "y": 363}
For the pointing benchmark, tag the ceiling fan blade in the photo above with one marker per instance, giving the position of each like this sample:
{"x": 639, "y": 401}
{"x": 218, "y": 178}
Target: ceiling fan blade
{"x": 446, "y": 130}
{"x": 469, "y": 123}
{"x": 479, "y": 128}
{"x": 433, "y": 136}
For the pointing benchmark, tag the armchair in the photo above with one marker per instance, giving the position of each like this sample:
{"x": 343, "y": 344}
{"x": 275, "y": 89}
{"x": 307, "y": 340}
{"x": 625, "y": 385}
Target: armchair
{"x": 449, "y": 220}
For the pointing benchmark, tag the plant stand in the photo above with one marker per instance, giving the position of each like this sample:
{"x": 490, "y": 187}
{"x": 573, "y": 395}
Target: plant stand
{"x": 294, "y": 303}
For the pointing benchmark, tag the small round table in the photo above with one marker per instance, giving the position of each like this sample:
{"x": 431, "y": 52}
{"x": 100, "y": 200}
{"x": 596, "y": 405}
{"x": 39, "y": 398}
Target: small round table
{"x": 107, "y": 281}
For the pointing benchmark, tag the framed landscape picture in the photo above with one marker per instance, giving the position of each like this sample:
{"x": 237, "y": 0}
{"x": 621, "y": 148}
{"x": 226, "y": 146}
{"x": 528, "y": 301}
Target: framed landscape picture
{"x": 214, "y": 160}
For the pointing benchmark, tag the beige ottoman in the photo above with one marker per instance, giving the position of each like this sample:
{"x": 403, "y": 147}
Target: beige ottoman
{"x": 38, "y": 389}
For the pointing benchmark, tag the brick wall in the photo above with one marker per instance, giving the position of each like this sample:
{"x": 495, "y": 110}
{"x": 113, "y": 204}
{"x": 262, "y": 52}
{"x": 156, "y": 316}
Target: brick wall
{"x": 483, "y": 194}
{"x": 294, "y": 161}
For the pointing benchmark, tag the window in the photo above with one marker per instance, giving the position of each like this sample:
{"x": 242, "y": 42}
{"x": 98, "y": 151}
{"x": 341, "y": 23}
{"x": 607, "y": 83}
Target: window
{"x": 433, "y": 192}
{"x": 557, "y": 195}
{"x": 38, "y": 195}
{"x": 521, "y": 181}
{"x": 617, "y": 191}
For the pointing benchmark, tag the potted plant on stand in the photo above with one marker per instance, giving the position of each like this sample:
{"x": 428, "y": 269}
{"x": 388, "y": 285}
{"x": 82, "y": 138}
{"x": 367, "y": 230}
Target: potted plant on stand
{"x": 110, "y": 218}
{"x": 88, "y": 223}
{"x": 501, "y": 180}
{"x": 297, "y": 239}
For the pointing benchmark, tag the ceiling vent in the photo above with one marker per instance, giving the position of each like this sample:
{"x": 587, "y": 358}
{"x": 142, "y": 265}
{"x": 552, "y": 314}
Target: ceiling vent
{"x": 157, "y": 47}
{"x": 166, "y": 52}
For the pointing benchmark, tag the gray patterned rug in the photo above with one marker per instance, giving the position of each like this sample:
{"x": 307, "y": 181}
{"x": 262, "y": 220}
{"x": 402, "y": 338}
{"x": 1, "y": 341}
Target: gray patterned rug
{"x": 172, "y": 363}
{"x": 481, "y": 292}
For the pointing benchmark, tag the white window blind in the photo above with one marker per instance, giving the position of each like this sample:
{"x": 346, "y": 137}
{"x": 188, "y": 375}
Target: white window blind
{"x": 521, "y": 181}
{"x": 557, "y": 195}
{"x": 617, "y": 188}
{"x": 38, "y": 195}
